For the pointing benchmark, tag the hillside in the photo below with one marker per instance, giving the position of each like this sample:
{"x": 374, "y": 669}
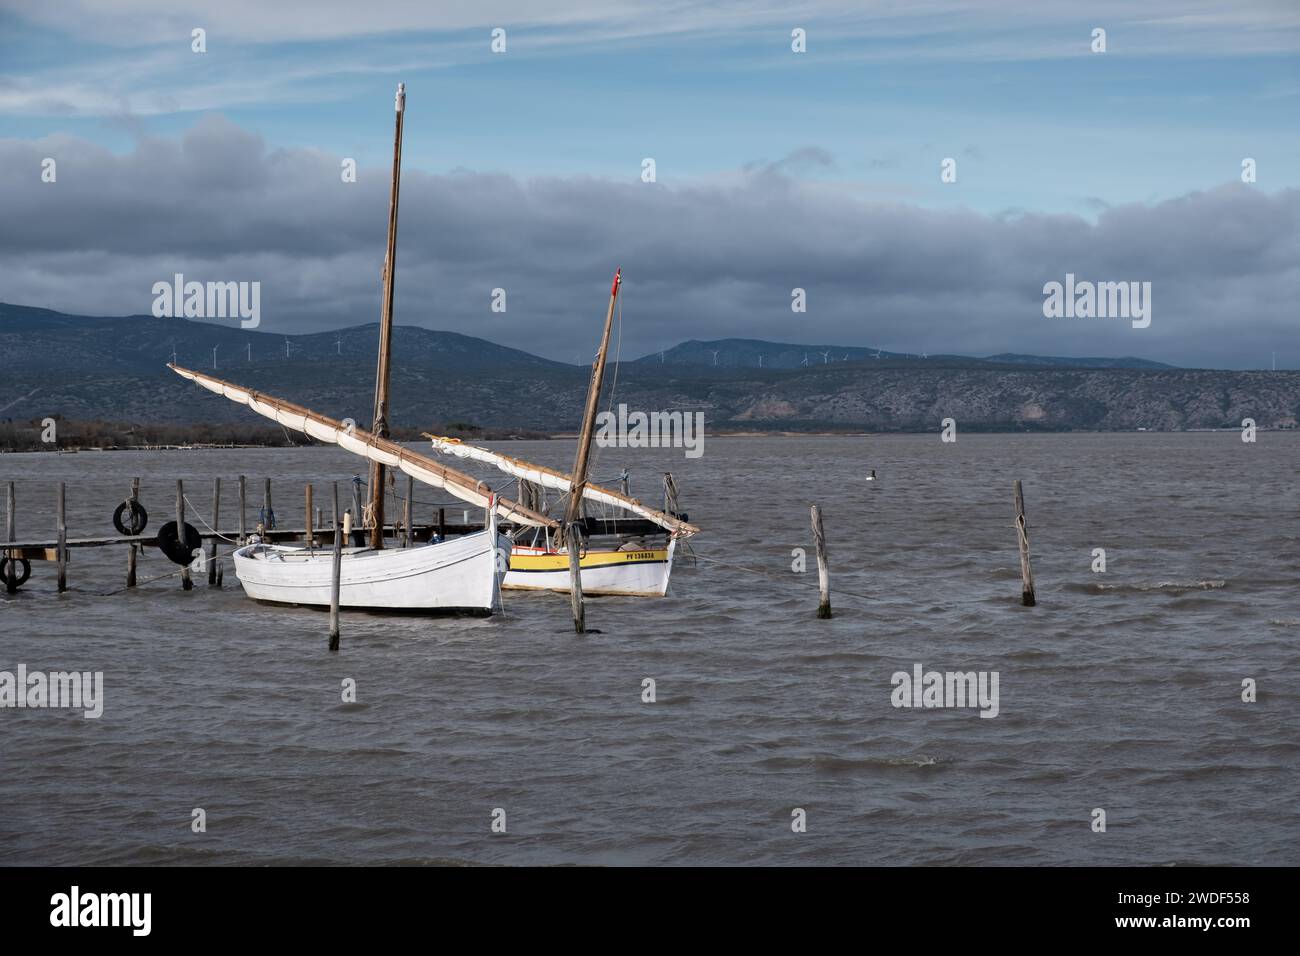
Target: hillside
{"x": 113, "y": 369}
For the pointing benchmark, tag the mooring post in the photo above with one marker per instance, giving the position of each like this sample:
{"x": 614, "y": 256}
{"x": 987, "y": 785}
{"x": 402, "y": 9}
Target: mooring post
{"x": 216, "y": 526}
{"x": 357, "y": 514}
{"x": 575, "y": 578}
{"x": 442, "y": 525}
{"x": 11, "y": 567}
{"x": 410, "y": 494}
{"x": 823, "y": 569}
{"x": 132, "y": 550}
{"x": 268, "y": 516}
{"x": 311, "y": 539}
{"x": 243, "y": 507}
{"x": 220, "y": 569}
{"x": 335, "y": 574}
{"x": 186, "y": 583}
{"x": 61, "y": 554}
{"x": 1022, "y": 534}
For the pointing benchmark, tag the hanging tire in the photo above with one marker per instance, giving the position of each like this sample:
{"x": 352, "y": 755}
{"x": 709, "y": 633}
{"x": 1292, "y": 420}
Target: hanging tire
{"x": 24, "y": 570}
{"x": 139, "y": 518}
{"x": 177, "y": 551}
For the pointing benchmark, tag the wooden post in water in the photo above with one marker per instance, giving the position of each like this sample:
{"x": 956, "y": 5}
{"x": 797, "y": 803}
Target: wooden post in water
{"x": 61, "y": 554}
{"x": 311, "y": 540}
{"x": 243, "y": 507}
{"x": 356, "y": 511}
{"x": 575, "y": 579}
{"x": 442, "y": 525}
{"x": 823, "y": 569}
{"x": 1026, "y": 573}
{"x": 11, "y": 511}
{"x": 410, "y": 494}
{"x": 216, "y": 526}
{"x": 267, "y": 513}
{"x": 186, "y": 583}
{"x": 132, "y": 550}
{"x": 335, "y": 574}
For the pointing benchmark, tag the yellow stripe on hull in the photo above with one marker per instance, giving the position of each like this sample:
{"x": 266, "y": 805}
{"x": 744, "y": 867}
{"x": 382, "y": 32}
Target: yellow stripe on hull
{"x": 551, "y": 561}
{"x": 642, "y": 573}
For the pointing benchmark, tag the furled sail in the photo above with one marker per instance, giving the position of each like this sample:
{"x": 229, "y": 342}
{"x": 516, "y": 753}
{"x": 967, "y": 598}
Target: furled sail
{"x": 559, "y": 481}
{"x": 420, "y": 467}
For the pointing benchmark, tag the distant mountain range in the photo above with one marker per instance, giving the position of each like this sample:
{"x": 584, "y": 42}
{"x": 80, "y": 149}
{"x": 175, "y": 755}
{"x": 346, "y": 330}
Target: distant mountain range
{"x": 755, "y": 353}
{"x": 113, "y": 369}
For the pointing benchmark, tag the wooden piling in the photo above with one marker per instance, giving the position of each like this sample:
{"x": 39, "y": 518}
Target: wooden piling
{"x": 243, "y": 507}
{"x": 311, "y": 539}
{"x": 220, "y": 574}
{"x": 575, "y": 579}
{"x": 186, "y": 582}
{"x": 410, "y": 495}
{"x": 216, "y": 525}
{"x": 11, "y": 517}
{"x": 823, "y": 569}
{"x": 1022, "y": 535}
{"x": 268, "y": 520}
{"x": 132, "y": 550}
{"x": 62, "y": 549}
{"x": 335, "y": 574}
{"x": 442, "y": 525}
{"x": 357, "y": 513}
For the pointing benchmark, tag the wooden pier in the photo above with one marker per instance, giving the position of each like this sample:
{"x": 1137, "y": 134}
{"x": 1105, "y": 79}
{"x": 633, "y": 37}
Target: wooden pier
{"x": 59, "y": 548}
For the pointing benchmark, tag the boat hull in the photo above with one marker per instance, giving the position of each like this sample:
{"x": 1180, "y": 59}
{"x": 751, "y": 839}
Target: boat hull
{"x": 461, "y": 574}
{"x": 633, "y": 573}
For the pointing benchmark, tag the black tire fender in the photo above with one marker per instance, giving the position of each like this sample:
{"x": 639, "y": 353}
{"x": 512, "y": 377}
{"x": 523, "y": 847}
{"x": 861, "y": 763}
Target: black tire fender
{"x": 179, "y": 552}
{"x": 139, "y": 518}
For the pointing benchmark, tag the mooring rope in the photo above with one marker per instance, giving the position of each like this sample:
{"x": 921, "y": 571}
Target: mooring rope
{"x": 199, "y": 516}
{"x": 161, "y": 577}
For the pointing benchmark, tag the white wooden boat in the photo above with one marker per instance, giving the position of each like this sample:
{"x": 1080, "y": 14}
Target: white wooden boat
{"x": 460, "y": 574}
{"x": 463, "y": 573}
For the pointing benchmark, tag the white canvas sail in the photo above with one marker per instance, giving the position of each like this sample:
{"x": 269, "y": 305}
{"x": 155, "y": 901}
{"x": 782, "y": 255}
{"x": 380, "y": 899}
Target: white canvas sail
{"x": 559, "y": 481}
{"x": 420, "y": 467}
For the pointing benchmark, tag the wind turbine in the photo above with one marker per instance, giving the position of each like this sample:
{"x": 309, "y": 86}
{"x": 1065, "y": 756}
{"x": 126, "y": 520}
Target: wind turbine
{"x": 826, "y": 357}
{"x": 214, "y": 355}
{"x": 760, "y": 361}
{"x": 286, "y": 346}
{"x": 250, "y": 352}
{"x": 339, "y": 343}
{"x": 715, "y": 358}
{"x": 804, "y": 363}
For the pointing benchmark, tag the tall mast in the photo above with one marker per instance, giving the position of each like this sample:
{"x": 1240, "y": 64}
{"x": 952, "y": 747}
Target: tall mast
{"x": 579, "y": 476}
{"x": 380, "y": 426}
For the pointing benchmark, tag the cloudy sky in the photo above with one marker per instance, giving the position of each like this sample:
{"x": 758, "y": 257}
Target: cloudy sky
{"x": 774, "y": 169}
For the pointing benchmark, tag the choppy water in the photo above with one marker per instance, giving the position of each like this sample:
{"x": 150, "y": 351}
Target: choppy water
{"x": 1120, "y": 690}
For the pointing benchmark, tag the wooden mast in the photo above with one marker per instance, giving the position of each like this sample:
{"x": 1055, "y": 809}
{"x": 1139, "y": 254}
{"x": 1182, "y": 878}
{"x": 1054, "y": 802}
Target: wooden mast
{"x": 380, "y": 427}
{"x": 578, "y": 480}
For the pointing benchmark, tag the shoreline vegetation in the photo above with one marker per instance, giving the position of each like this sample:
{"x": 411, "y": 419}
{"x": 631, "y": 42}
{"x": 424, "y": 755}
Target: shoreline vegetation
{"x": 76, "y": 436}
{"x": 72, "y": 436}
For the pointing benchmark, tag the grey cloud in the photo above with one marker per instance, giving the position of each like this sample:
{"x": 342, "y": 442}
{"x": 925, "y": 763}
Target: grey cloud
{"x": 704, "y": 260}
